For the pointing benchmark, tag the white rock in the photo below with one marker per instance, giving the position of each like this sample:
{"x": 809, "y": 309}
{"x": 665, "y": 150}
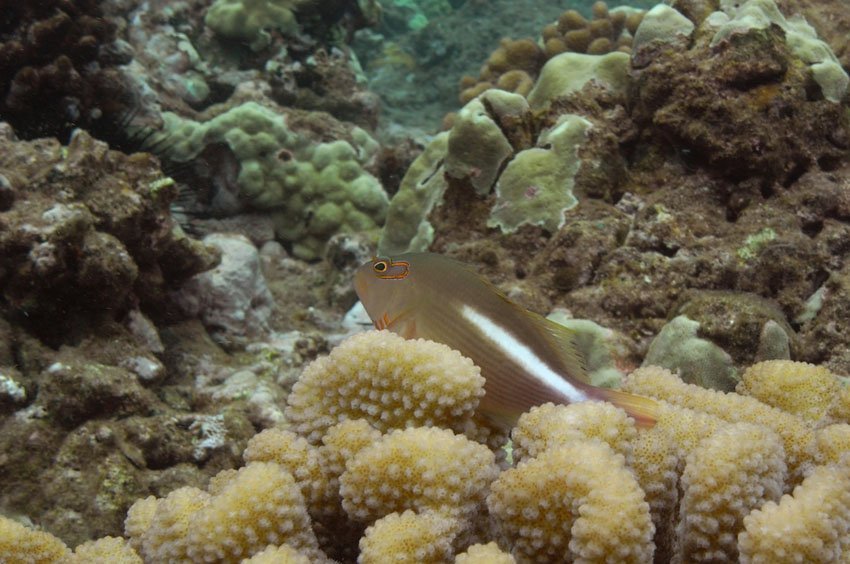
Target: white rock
{"x": 147, "y": 370}
{"x": 144, "y": 331}
{"x": 232, "y": 300}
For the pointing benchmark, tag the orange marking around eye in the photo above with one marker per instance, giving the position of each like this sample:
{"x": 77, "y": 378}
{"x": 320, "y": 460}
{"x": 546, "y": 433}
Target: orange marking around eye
{"x": 398, "y": 276}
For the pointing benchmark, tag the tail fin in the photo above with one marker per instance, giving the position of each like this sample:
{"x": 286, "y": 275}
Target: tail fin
{"x": 645, "y": 411}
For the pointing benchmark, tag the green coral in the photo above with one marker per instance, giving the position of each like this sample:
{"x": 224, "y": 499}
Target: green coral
{"x": 594, "y": 342}
{"x": 697, "y": 361}
{"x": 477, "y": 146}
{"x": 569, "y": 72}
{"x": 248, "y": 20}
{"x": 754, "y": 243}
{"x": 662, "y": 24}
{"x": 537, "y": 185}
{"x": 313, "y": 190}
{"x": 421, "y": 189}
{"x": 494, "y": 146}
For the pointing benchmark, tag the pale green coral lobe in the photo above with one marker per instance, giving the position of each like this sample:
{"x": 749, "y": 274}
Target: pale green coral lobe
{"x": 569, "y": 72}
{"x": 536, "y": 187}
{"x": 697, "y": 361}
{"x": 754, "y": 243}
{"x": 297, "y": 188}
{"x": 421, "y": 189}
{"x": 248, "y": 20}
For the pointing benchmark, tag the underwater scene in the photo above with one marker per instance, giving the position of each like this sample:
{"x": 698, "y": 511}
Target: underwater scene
{"x": 424, "y": 281}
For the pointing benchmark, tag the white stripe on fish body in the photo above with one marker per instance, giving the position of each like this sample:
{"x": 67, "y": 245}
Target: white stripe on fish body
{"x": 522, "y": 354}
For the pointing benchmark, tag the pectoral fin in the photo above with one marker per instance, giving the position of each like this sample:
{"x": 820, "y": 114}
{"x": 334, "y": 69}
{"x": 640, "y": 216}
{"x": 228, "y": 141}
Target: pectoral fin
{"x": 402, "y": 324}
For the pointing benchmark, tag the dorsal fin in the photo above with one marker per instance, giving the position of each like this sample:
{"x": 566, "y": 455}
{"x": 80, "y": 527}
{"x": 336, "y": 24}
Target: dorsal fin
{"x": 564, "y": 343}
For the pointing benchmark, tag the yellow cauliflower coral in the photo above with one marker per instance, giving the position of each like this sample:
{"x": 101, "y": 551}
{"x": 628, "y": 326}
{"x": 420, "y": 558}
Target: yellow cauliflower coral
{"x": 840, "y": 409}
{"x": 107, "y": 549}
{"x": 800, "y": 388}
{"x": 574, "y": 502}
{"x": 300, "y": 459}
{"x": 389, "y": 381}
{"x": 139, "y": 519}
{"x": 489, "y": 553}
{"x": 420, "y": 468}
{"x": 22, "y": 545}
{"x": 686, "y": 428}
{"x": 655, "y": 464}
{"x": 283, "y": 554}
{"x": 158, "y": 529}
{"x": 261, "y": 505}
{"x": 343, "y": 441}
{"x": 797, "y": 435}
{"x": 551, "y": 425}
{"x": 409, "y": 538}
{"x": 734, "y": 471}
{"x": 811, "y": 526}
{"x": 833, "y": 443}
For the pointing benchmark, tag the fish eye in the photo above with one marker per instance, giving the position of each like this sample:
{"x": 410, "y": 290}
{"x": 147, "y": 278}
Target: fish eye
{"x": 380, "y": 267}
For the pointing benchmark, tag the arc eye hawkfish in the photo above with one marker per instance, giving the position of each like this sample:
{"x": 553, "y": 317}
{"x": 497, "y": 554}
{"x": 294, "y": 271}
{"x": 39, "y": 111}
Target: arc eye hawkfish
{"x": 526, "y": 359}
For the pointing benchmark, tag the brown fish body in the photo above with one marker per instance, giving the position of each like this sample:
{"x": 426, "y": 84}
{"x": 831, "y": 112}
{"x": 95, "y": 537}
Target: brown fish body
{"x": 526, "y": 359}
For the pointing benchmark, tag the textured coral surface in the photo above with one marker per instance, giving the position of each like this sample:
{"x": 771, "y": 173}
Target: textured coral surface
{"x": 673, "y": 185}
{"x": 720, "y": 477}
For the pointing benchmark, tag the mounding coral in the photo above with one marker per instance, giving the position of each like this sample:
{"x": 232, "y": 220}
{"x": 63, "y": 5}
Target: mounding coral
{"x": 250, "y": 20}
{"x": 312, "y": 190}
{"x": 516, "y": 64}
{"x": 719, "y": 477}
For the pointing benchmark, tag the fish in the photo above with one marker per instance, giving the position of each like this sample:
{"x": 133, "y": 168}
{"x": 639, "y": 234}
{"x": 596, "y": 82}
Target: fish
{"x": 525, "y": 359}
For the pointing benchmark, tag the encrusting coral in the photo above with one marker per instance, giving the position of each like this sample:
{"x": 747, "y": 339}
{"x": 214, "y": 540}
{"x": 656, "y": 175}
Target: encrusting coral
{"x": 311, "y": 189}
{"x": 249, "y": 20}
{"x": 705, "y": 484}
